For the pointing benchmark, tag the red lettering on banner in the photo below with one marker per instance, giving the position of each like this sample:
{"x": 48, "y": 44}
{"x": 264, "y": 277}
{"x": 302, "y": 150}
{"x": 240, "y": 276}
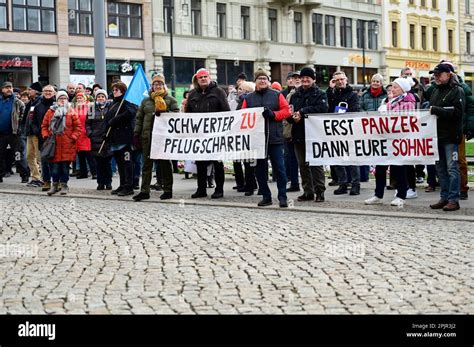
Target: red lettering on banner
{"x": 248, "y": 120}
{"x": 412, "y": 147}
{"x": 390, "y": 125}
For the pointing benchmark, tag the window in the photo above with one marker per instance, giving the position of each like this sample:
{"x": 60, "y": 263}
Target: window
{"x": 221, "y": 24}
{"x": 3, "y": 14}
{"x": 245, "y": 22}
{"x": 394, "y": 34}
{"x": 298, "y": 19}
{"x": 185, "y": 69}
{"x": 435, "y": 39}
{"x": 125, "y": 20}
{"x": 450, "y": 5}
{"x": 360, "y": 33}
{"x": 80, "y": 17}
{"x": 434, "y": 4}
{"x": 423, "y": 37}
{"x": 468, "y": 7}
{"x": 227, "y": 71}
{"x": 272, "y": 24}
{"x": 168, "y": 12}
{"x": 450, "y": 41}
{"x": 468, "y": 42}
{"x": 34, "y": 15}
{"x": 423, "y": 3}
{"x": 373, "y": 32}
{"x": 317, "y": 28}
{"x": 412, "y": 36}
{"x": 196, "y": 17}
{"x": 330, "y": 29}
{"x": 346, "y": 32}
{"x": 411, "y": 2}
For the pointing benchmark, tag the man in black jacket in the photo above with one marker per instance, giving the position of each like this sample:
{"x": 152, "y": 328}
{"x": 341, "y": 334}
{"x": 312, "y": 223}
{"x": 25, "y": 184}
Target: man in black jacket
{"x": 276, "y": 109}
{"x": 448, "y": 103}
{"x": 340, "y": 92}
{"x": 204, "y": 98}
{"x": 307, "y": 99}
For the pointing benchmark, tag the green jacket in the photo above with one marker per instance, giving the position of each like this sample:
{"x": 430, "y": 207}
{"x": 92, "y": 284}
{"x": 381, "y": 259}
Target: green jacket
{"x": 468, "y": 119}
{"x": 368, "y": 102}
{"x": 146, "y": 117}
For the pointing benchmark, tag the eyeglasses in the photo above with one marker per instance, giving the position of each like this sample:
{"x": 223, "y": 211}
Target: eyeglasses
{"x": 203, "y": 77}
{"x": 48, "y": 91}
{"x": 262, "y": 79}
{"x": 116, "y": 90}
{"x": 339, "y": 79}
{"x": 158, "y": 84}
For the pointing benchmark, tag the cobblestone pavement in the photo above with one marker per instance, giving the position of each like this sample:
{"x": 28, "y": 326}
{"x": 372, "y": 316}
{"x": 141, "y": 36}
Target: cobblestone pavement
{"x": 76, "y": 255}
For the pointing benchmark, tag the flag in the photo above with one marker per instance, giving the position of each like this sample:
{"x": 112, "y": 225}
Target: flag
{"x": 138, "y": 88}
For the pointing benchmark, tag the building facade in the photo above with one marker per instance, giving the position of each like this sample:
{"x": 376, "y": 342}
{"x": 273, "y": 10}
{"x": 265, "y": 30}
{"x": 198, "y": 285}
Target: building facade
{"x": 466, "y": 41}
{"x": 52, "y": 40}
{"x": 228, "y": 37}
{"x": 418, "y": 34}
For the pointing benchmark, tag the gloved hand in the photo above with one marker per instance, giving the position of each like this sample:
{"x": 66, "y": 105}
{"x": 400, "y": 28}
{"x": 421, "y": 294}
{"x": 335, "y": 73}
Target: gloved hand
{"x": 136, "y": 142}
{"x": 268, "y": 114}
{"x": 435, "y": 110}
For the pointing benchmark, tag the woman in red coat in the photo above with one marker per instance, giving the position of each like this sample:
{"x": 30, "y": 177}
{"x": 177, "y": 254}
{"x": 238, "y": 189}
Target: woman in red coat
{"x": 83, "y": 108}
{"x": 61, "y": 121}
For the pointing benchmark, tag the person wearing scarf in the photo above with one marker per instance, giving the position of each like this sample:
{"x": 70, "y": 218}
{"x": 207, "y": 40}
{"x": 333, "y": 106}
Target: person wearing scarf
{"x": 83, "y": 108}
{"x": 63, "y": 123}
{"x": 158, "y": 102}
{"x": 401, "y": 100}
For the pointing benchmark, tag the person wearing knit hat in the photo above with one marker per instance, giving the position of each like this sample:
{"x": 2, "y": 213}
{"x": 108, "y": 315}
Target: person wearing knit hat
{"x": 261, "y": 73}
{"x": 158, "y": 78}
{"x": 96, "y": 127}
{"x": 275, "y": 109}
{"x": 37, "y": 86}
{"x": 62, "y": 93}
{"x": 308, "y": 72}
{"x": 307, "y": 99}
{"x": 403, "y": 83}
{"x": 277, "y": 86}
{"x": 207, "y": 97}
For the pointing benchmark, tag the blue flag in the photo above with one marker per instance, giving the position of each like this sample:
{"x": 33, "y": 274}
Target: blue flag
{"x": 138, "y": 88}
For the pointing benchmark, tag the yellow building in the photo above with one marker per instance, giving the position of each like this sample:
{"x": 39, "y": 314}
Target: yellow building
{"x": 466, "y": 40}
{"x": 418, "y": 34}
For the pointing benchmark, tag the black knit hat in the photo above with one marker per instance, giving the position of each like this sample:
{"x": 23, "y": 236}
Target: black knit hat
{"x": 242, "y": 76}
{"x": 308, "y": 72}
{"x": 37, "y": 86}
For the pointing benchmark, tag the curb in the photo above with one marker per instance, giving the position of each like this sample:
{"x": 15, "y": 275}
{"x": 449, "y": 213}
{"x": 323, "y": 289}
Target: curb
{"x": 320, "y": 210}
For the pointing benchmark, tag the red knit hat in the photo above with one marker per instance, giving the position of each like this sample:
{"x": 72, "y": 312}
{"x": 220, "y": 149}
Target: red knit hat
{"x": 202, "y": 72}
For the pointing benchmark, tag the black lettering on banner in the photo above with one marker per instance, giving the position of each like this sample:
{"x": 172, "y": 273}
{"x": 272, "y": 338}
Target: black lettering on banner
{"x": 370, "y": 148}
{"x": 331, "y": 149}
{"x": 167, "y": 143}
{"x": 338, "y": 127}
{"x": 171, "y": 123}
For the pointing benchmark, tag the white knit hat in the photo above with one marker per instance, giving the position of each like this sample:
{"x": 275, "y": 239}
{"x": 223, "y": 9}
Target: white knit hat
{"x": 403, "y": 83}
{"x": 62, "y": 93}
{"x": 100, "y": 91}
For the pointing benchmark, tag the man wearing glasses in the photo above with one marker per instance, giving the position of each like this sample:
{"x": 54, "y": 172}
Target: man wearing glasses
{"x": 11, "y": 113}
{"x": 207, "y": 97}
{"x": 341, "y": 93}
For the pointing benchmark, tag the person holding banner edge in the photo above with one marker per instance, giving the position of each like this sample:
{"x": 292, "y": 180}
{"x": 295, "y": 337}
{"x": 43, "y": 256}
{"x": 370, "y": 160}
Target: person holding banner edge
{"x": 339, "y": 92}
{"x": 207, "y": 97}
{"x": 276, "y": 109}
{"x": 401, "y": 100}
{"x": 159, "y": 101}
{"x": 306, "y": 100}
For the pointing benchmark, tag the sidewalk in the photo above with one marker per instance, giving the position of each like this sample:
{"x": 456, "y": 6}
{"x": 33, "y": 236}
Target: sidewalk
{"x": 342, "y": 204}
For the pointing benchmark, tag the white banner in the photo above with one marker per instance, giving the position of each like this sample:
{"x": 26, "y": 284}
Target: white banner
{"x": 371, "y": 138}
{"x": 233, "y": 135}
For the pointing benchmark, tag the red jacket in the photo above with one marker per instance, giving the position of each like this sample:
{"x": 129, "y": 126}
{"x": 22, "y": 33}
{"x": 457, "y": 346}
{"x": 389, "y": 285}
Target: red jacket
{"x": 65, "y": 143}
{"x": 84, "y": 142}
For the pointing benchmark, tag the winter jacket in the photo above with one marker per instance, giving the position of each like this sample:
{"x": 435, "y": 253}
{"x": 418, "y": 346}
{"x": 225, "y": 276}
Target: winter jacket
{"x": 408, "y": 102}
{"x": 306, "y": 101}
{"x": 146, "y": 117}
{"x": 122, "y": 125}
{"x": 276, "y": 102}
{"x": 18, "y": 110}
{"x": 66, "y": 143}
{"x": 287, "y": 91}
{"x": 29, "y": 108}
{"x": 369, "y": 102}
{"x": 96, "y": 128}
{"x": 348, "y": 95}
{"x": 84, "y": 142}
{"x": 449, "y": 122}
{"x": 35, "y": 118}
{"x": 213, "y": 99}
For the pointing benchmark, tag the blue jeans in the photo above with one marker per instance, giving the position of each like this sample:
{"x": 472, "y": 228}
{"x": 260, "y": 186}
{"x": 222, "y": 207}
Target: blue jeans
{"x": 291, "y": 163}
{"x": 275, "y": 152}
{"x": 448, "y": 171}
{"x": 60, "y": 171}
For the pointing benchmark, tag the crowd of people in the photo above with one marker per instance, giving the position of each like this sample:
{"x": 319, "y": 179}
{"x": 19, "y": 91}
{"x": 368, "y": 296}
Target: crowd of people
{"x": 49, "y": 132}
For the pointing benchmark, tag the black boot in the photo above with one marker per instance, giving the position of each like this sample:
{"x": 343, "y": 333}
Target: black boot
{"x": 341, "y": 190}
{"x": 199, "y": 194}
{"x": 355, "y": 190}
{"x": 141, "y": 196}
{"x": 319, "y": 197}
{"x": 166, "y": 196}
